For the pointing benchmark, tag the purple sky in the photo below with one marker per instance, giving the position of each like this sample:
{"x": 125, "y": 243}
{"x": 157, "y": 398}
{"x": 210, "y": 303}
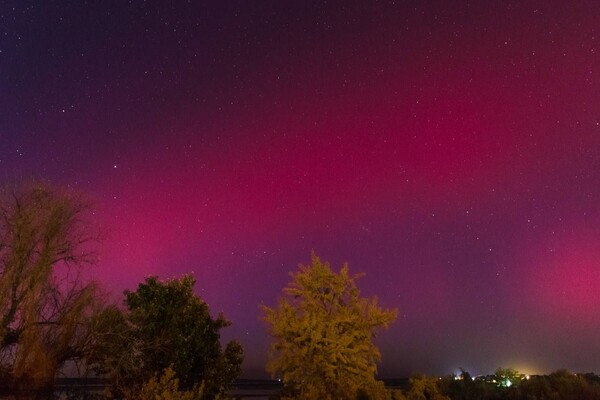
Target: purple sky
{"x": 451, "y": 152}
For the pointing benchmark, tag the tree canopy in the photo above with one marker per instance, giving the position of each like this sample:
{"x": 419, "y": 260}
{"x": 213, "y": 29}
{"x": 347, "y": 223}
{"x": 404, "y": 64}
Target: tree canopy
{"x": 165, "y": 325}
{"x": 323, "y": 334}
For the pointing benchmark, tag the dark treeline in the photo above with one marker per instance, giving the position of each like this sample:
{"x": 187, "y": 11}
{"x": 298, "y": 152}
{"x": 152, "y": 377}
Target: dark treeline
{"x": 559, "y": 385}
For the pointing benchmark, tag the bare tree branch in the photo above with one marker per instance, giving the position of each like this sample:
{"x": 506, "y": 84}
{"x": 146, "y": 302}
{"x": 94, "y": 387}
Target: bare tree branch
{"x": 45, "y": 306}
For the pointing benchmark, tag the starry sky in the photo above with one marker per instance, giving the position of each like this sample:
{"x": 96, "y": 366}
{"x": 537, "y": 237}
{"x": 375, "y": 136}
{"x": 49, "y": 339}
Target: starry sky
{"x": 449, "y": 150}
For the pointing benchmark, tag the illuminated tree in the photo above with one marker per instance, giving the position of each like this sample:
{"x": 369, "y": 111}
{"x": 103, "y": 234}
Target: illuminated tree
{"x": 165, "y": 326}
{"x": 44, "y": 304}
{"x": 465, "y": 387}
{"x": 424, "y": 388}
{"x": 323, "y": 335}
{"x": 507, "y": 377}
{"x": 166, "y": 387}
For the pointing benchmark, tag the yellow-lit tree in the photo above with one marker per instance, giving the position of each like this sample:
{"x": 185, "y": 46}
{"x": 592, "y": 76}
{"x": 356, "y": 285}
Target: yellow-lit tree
{"x": 323, "y": 334}
{"x": 44, "y": 303}
{"x": 425, "y": 388}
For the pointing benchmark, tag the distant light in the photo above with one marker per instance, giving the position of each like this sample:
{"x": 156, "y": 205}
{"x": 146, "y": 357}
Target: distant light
{"x": 508, "y": 383}
{"x": 527, "y": 377}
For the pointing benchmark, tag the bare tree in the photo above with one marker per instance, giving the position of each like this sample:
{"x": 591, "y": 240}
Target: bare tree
{"x": 44, "y": 301}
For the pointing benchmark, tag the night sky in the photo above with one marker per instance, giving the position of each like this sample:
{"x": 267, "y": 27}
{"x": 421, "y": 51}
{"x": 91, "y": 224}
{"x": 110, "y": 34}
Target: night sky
{"x": 450, "y": 151}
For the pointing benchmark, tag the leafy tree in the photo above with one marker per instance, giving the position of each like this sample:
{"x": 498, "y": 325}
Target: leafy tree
{"x": 424, "y": 388}
{"x": 166, "y": 387}
{"x": 165, "y": 326}
{"x": 507, "y": 377}
{"x": 44, "y": 303}
{"x": 396, "y": 394}
{"x": 323, "y": 335}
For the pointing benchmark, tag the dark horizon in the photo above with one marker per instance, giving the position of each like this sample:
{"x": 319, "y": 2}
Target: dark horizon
{"x": 449, "y": 151}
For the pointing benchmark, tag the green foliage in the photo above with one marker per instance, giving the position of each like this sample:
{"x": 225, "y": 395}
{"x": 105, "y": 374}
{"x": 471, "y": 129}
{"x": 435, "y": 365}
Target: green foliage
{"x": 323, "y": 336}
{"x": 397, "y": 394}
{"x": 44, "y": 305}
{"x": 166, "y": 387}
{"x": 165, "y": 325}
{"x": 425, "y": 388}
{"x": 507, "y": 377}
